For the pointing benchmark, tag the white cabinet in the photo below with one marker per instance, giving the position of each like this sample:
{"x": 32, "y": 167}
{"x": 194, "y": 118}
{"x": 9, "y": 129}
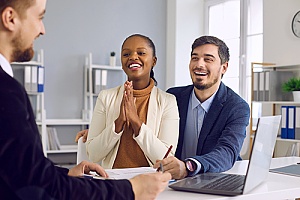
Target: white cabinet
{"x": 97, "y": 78}
{"x": 267, "y": 97}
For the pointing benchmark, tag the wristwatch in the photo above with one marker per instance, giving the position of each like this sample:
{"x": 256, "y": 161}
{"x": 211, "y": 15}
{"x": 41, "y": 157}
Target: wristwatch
{"x": 190, "y": 166}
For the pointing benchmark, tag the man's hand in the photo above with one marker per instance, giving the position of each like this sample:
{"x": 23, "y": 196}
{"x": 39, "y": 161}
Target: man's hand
{"x": 83, "y": 133}
{"x": 85, "y": 167}
{"x": 148, "y": 186}
{"x": 174, "y": 166}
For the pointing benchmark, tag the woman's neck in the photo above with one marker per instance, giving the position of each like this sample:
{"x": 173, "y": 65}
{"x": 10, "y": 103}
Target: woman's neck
{"x": 140, "y": 84}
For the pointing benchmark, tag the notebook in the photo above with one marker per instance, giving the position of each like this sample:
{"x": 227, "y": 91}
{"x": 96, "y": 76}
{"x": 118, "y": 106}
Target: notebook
{"x": 257, "y": 171}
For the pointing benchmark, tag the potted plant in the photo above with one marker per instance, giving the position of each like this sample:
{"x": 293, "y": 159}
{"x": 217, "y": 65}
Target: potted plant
{"x": 293, "y": 85}
{"x": 112, "y": 59}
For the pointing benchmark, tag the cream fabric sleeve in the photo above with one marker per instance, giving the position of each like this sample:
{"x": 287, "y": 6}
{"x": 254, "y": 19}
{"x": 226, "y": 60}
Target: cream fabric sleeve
{"x": 102, "y": 138}
{"x": 162, "y": 129}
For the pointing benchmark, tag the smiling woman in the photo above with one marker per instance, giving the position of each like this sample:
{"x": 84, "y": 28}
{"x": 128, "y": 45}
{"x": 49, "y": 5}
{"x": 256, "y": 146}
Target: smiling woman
{"x": 138, "y": 52}
{"x": 134, "y": 124}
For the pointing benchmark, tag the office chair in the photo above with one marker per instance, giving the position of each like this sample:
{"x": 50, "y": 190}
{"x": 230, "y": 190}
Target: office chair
{"x": 81, "y": 151}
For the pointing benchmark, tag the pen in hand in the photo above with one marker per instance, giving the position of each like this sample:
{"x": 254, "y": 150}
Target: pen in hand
{"x": 166, "y": 155}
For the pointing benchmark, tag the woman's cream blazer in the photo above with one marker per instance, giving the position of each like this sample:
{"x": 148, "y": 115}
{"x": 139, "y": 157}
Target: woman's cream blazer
{"x": 160, "y": 131}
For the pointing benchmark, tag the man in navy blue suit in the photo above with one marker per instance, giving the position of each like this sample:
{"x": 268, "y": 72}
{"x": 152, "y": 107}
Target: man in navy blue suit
{"x": 213, "y": 118}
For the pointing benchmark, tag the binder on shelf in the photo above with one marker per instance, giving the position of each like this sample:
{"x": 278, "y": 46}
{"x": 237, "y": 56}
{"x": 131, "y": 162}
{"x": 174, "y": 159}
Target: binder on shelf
{"x": 52, "y": 140}
{"x": 284, "y": 121}
{"x": 291, "y": 122}
{"x": 34, "y": 78}
{"x": 41, "y": 76}
{"x": 103, "y": 79}
{"x": 50, "y": 144}
{"x": 27, "y": 78}
{"x": 255, "y": 86}
{"x": 97, "y": 81}
{"x": 261, "y": 87}
{"x": 273, "y": 85}
{"x": 56, "y": 140}
{"x": 267, "y": 86}
{"x": 297, "y": 123}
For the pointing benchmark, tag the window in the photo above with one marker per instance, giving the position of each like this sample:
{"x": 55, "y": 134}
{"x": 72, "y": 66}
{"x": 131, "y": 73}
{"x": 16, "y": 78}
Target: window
{"x": 240, "y": 25}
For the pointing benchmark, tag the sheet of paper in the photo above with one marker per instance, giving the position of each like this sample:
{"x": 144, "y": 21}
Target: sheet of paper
{"x": 125, "y": 173}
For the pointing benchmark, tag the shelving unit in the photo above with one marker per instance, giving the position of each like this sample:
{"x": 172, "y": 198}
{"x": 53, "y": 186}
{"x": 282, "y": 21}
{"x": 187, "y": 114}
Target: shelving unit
{"x": 69, "y": 150}
{"x": 65, "y": 122}
{"x": 89, "y": 81}
{"x": 274, "y": 106}
{"x": 40, "y": 113}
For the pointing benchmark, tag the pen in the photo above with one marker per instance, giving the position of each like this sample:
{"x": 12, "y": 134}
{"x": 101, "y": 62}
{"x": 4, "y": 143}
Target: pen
{"x": 161, "y": 167}
{"x": 166, "y": 155}
{"x": 87, "y": 176}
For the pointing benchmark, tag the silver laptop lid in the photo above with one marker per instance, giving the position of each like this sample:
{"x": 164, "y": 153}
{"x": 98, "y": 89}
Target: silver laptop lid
{"x": 262, "y": 151}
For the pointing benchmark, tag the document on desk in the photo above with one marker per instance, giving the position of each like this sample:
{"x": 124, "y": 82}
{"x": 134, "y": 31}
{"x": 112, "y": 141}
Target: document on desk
{"x": 126, "y": 173}
{"x": 293, "y": 170}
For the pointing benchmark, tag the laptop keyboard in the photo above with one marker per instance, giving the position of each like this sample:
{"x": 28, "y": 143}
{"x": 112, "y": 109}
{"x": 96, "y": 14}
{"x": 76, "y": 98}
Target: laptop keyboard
{"x": 230, "y": 182}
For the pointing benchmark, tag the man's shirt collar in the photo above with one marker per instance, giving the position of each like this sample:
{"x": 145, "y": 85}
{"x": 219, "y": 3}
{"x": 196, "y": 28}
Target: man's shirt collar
{"x": 205, "y": 105}
{"x": 5, "y": 65}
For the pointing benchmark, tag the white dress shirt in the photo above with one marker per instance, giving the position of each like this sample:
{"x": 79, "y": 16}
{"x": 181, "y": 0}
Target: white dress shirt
{"x": 5, "y": 65}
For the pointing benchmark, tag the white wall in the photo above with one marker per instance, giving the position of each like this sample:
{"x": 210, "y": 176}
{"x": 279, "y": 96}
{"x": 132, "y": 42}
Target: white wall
{"x": 74, "y": 28}
{"x": 185, "y": 23}
{"x": 280, "y": 46}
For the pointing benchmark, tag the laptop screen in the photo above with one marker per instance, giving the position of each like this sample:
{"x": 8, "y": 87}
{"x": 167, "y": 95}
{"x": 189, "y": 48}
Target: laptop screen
{"x": 262, "y": 151}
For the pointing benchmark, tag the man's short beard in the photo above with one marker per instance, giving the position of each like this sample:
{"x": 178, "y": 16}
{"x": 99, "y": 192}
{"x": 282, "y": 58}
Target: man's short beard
{"x": 204, "y": 86}
{"x": 19, "y": 54}
{"x": 23, "y": 56}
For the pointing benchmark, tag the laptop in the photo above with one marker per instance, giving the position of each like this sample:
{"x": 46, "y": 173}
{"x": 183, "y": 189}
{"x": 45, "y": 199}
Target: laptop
{"x": 257, "y": 171}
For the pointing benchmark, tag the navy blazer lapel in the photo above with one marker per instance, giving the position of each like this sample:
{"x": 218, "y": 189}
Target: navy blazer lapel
{"x": 212, "y": 116}
{"x": 183, "y": 103}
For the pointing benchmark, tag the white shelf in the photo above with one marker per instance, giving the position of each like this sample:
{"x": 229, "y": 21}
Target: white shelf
{"x": 34, "y": 93}
{"x": 93, "y": 94}
{"x": 287, "y": 140}
{"x": 107, "y": 67}
{"x": 292, "y": 66}
{"x": 89, "y": 83}
{"x": 67, "y": 122}
{"x": 283, "y": 139}
{"x": 33, "y": 63}
{"x": 277, "y": 102}
{"x": 64, "y": 149}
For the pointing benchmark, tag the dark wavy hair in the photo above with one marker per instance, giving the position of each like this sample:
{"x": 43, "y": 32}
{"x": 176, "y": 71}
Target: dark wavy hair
{"x": 151, "y": 45}
{"x": 223, "y": 50}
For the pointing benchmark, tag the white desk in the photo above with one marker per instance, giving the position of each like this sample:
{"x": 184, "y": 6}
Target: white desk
{"x": 277, "y": 186}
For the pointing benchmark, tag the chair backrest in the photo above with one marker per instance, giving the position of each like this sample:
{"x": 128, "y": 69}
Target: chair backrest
{"x": 245, "y": 151}
{"x": 81, "y": 151}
